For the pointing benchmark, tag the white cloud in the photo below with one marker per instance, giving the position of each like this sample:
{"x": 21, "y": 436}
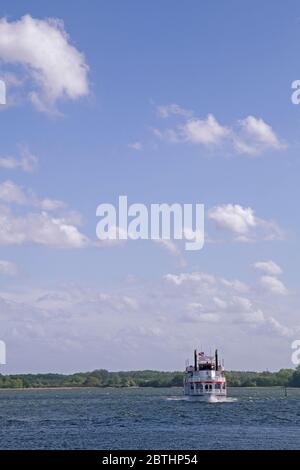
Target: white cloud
{"x": 236, "y": 285}
{"x": 233, "y": 217}
{"x": 51, "y": 204}
{"x": 39, "y": 228}
{"x": 256, "y": 136}
{"x": 255, "y": 318}
{"x": 204, "y": 131}
{"x": 276, "y": 327}
{"x": 201, "y": 317}
{"x": 187, "y": 309}
{"x": 57, "y": 69}
{"x": 60, "y": 230}
{"x": 209, "y": 317}
{"x": 11, "y": 193}
{"x": 242, "y": 309}
{"x": 268, "y": 267}
{"x": 210, "y": 295}
{"x": 242, "y": 304}
{"x": 36, "y": 227}
{"x": 197, "y": 277}
{"x": 169, "y": 245}
{"x": 220, "y": 303}
{"x": 273, "y": 285}
{"x": 165, "y": 111}
{"x": 250, "y": 136}
{"x": 27, "y": 162}
{"x": 136, "y": 146}
{"x": 8, "y": 268}
{"x": 8, "y": 163}
{"x": 169, "y": 135}
{"x": 244, "y": 224}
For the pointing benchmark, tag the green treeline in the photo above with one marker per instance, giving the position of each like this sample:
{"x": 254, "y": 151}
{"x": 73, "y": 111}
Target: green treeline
{"x": 145, "y": 378}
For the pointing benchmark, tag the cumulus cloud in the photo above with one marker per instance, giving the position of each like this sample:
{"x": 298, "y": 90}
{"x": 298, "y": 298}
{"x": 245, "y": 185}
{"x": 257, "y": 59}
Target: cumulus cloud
{"x": 159, "y": 319}
{"x": 12, "y": 193}
{"x": 204, "y": 131}
{"x": 250, "y": 136}
{"x": 268, "y": 267}
{"x": 48, "y": 204}
{"x": 233, "y": 217}
{"x": 36, "y": 226}
{"x": 273, "y": 285}
{"x": 198, "y": 317}
{"x": 256, "y": 136}
{"x": 56, "y": 68}
{"x": 244, "y": 224}
{"x": 225, "y": 301}
{"x": 220, "y": 303}
{"x": 198, "y": 277}
{"x": 39, "y": 228}
{"x": 240, "y": 308}
{"x": 12, "y": 163}
{"x": 26, "y": 162}
{"x": 236, "y": 285}
{"x": 276, "y": 327}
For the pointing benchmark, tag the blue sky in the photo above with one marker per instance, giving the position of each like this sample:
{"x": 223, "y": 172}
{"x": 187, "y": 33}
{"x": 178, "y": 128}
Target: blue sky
{"x": 124, "y": 109}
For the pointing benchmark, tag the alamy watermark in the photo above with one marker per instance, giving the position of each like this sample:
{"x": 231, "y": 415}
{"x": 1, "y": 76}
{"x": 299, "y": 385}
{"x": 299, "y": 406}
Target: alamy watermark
{"x": 2, "y": 101}
{"x": 296, "y": 354}
{"x": 159, "y": 222}
{"x": 2, "y": 92}
{"x": 2, "y": 352}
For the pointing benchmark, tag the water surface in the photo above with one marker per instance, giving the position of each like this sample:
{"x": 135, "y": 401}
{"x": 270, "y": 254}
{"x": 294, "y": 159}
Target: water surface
{"x": 148, "y": 418}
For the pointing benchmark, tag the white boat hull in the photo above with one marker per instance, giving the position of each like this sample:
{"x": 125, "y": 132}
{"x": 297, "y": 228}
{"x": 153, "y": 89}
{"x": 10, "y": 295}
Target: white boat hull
{"x": 209, "y": 398}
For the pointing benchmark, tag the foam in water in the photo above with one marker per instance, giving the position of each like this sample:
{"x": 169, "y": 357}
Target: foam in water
{"x": 212, "y": 400}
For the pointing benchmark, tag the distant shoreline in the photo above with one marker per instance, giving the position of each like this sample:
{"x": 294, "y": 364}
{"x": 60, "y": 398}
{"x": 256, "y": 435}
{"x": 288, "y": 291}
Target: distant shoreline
{"x": 31, "y": 389}
{"x": 102, "y": 378}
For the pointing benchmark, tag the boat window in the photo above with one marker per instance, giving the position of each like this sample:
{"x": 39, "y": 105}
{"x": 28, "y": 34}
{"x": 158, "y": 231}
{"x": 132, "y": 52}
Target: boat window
{"x": 206, "y": 387}
{"x": 210, "y": 387}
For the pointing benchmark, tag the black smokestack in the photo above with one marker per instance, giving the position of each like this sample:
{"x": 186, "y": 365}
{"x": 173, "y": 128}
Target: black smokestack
{"x": 216, "y": 360}
{"x": 195, "y": 360}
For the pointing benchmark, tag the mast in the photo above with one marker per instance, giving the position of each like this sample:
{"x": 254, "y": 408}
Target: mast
{"x": 195, "y": 360}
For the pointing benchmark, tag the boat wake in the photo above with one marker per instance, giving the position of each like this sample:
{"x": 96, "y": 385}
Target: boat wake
{"x": 211, "y": 400}
{"x": 223, "y": 400}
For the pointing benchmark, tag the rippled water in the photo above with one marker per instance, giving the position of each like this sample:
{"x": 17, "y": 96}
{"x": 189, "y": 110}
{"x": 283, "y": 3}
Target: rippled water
{"x": 148, "y": 418}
